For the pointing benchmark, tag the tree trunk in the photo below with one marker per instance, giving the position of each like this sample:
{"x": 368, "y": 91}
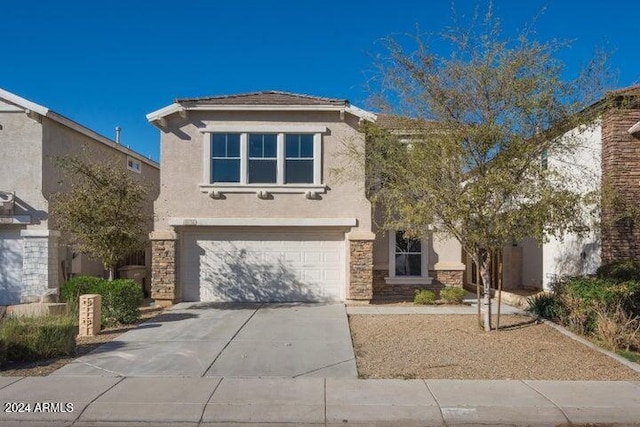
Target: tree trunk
{"x": 111, "y": 273}
{"x": 486, "y": 279}
{"x": 499, "y": 260}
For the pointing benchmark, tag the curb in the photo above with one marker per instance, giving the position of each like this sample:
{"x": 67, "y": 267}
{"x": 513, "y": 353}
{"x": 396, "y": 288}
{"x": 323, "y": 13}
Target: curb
{"x": 592, "y": 346}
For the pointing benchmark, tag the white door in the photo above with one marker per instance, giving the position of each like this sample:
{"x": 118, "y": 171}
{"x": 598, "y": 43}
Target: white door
{"x": 263, "y": 266}
{"x": 11, "y": 250}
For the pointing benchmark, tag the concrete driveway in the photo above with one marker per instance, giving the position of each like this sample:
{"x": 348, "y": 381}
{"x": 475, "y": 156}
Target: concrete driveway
{"x": 229, "y": 340}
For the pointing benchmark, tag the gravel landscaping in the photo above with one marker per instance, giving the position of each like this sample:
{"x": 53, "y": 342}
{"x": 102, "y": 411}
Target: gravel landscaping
{"x": 454, "y": 347}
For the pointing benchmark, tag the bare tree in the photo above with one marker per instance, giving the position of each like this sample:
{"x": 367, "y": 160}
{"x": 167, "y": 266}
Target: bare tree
{"x": 476, "y": 124}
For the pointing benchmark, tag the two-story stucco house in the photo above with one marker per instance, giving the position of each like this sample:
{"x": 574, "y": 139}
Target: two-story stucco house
{"x": 33, "y": 260}
{"x": 250, "y": 209}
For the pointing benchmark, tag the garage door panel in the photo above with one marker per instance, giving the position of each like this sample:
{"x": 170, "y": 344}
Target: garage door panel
{"x": 263, "y": 266}
{"x": 11, "y": 256}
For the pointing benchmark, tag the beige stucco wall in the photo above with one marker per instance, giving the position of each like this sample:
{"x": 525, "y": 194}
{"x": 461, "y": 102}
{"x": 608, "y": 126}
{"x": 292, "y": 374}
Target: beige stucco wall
{"x": 182, "y": 172}
{"x": 21, "y": 165}
{"x": 60, "y": 140}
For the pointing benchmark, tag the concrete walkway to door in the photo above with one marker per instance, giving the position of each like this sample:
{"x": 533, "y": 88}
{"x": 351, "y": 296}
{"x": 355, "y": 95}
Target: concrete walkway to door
{"x": 229, "y": 340}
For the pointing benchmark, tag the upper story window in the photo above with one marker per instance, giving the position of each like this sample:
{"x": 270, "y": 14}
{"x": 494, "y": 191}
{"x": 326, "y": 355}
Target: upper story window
{"x": 299, "y": 159}
{"x": 225, "y": 163}
{"x": 134, "y": 165}
{"x": 271, "y": 157}
{"x": 263, "y": 158}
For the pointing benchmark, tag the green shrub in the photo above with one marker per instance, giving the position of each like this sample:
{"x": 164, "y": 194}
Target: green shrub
{"x": 620, "y": 271}
{"x": 38, "y": 338}
{"x": 452, "y": 295}
{"x": 71, "y": 290}
{"x": 580, "y": 295}
{"x": 424, "y": 296}
{"x": 544, "y": 305}
{"x": 3, "y": 352}
{"x": 120, "y": 301}
{"x": 120, "y": 298}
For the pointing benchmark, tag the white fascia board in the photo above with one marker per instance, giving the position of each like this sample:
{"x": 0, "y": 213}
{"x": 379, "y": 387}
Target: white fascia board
{"x": 23, "y": 103}
{"x": 175, "y": 107}
{"x": 264, "y": 222}
{"x": 363, "y": 114}
{"x": 247, "y": 127}
{"x": 103, "y": 139}
{"x": 165, "y": 111}
{"x": 259, "y": 107}
{"x": 634, "y": 129}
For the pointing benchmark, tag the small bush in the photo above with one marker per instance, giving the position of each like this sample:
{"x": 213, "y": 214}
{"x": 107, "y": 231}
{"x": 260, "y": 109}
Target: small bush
{"x": 620, "y": 271}
{"x": 37, "y": 338}
{"x": 579, "y": 296}
{"x": 120, "y": 301}
{"x": 424, "y": 296}
{"x": 616, "y": 328}
{"x": 3, "y": 352}
{"x": 71, "y": 290}
{"x": 451, "y": 295}
{"x": 120, "y": 298}
{"x": 544, "y": 305}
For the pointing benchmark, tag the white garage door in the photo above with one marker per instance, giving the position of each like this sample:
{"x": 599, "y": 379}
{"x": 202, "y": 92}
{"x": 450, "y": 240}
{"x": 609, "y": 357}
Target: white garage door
{"x": 11, "y": 249}
{"x": 263, "y": 266}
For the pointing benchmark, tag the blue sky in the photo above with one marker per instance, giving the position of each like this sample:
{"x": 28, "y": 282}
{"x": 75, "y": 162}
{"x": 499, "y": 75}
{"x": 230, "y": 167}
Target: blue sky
{"x": 107, "y": 64}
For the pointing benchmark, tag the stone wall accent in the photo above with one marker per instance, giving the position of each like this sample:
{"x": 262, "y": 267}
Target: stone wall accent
{"x": 39, "y": 264}
{"x": 163, "y": 268}
{"x": 442, "y": 278}
{"x": 360, "y": 270}
{"x": 621, "y": 172}
{"x": 387, "y": 292}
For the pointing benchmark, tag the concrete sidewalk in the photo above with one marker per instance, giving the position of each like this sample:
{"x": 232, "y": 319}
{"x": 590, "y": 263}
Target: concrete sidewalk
{"x": 101, "y": 401}
{"x": 470, "y": 306}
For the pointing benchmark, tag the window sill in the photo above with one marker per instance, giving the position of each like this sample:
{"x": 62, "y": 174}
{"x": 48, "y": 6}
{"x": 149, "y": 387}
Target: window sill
{"x": 214, "y": 190}
{"x": 408, "y": 280}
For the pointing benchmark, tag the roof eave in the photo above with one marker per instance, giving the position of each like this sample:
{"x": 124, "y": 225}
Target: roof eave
{"x": 23, "y": 103}
{"x": 158, "y": 116}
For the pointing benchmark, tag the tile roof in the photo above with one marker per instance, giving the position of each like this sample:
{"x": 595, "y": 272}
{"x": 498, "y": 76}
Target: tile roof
{"x": 629, "y": 90}
{"x": 270, "y": 97}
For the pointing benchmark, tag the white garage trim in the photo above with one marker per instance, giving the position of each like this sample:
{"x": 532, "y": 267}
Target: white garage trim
{"x": 264, "y": 222}
{"x": 262, "y": 265}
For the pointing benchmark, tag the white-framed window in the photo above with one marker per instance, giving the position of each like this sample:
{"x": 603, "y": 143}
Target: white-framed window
{"x": 134, "y": 165}
{"x": 225, "y": 160}
{"x": 408, "y": 259}
{"x": 263, "y": 158}
{"x": 274, "y": 158}
{"x": 298, "y": 165}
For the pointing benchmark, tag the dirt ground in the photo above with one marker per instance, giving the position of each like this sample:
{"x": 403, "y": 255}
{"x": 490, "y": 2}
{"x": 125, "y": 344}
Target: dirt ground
{"x": 84, "y": 345}
{"x": 454, "y": 347}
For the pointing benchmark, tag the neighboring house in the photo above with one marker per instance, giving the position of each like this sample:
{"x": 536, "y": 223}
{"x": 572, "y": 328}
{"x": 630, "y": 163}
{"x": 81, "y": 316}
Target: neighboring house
{"x": 33, "y": 262}
{"x": 607, "y": 160}
{"x": 250, "y": 210}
